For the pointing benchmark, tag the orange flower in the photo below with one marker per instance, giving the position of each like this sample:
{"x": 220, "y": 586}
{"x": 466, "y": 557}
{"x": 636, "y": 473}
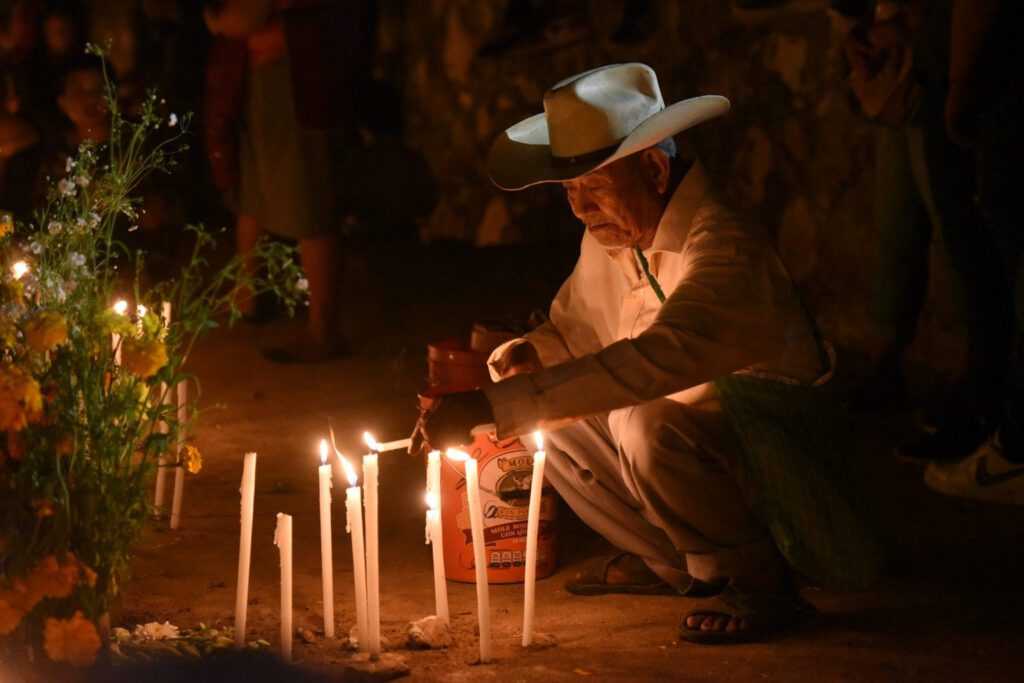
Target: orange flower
{"x": 73, "y": 640}
{"x": 44, "y": 507}
{"x": 15, "y": 603}
{"x": 143, "y": 357}
{"x": 46, "y": 331}
{"x": 90, "y": 576}
{"x": 52, "y": 580}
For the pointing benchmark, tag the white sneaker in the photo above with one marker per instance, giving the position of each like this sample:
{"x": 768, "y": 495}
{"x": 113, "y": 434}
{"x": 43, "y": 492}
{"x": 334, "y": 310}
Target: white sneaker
{"x": 984, "y": 474}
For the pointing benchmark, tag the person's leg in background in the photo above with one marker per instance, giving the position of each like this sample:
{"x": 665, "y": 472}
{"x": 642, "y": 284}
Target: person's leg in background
{"x": 899, "y": 281}
{"x": 247, "y": 235}
{"x": 319, "y": 256}
{"x": 995, "y": 471}
{"x": 945, "y": 176}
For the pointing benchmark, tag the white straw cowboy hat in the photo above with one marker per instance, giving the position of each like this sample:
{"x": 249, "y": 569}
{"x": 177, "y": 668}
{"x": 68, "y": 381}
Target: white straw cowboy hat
{"x": 591, "y": 120}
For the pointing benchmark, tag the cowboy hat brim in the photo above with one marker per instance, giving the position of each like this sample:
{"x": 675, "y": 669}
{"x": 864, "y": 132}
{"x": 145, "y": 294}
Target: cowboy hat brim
{"x": 521, "y": 156}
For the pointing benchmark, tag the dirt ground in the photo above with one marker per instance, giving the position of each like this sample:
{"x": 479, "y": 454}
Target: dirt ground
{"x": 949, "y": 607}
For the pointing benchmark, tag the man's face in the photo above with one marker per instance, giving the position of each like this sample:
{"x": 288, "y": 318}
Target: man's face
{"x": 621, "y": 203}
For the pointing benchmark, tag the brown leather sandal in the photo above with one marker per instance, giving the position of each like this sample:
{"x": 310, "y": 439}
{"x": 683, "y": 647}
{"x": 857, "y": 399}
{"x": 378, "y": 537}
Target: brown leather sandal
{"x": 593, "y": 579}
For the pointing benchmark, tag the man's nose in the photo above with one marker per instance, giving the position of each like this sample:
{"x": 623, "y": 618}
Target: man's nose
{"x": 581, "y": 204}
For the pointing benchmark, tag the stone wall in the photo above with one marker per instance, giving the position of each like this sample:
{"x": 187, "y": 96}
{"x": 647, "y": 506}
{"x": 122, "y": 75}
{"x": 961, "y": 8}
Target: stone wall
{"x": 794, "y": 147}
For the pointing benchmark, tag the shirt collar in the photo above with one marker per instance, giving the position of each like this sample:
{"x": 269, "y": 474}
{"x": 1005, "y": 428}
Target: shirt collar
{"x": 682, "y": 207}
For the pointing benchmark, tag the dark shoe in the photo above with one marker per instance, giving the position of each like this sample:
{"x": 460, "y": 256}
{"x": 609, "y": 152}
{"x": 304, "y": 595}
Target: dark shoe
{"x": 306, "y": 351}
{"x": 593, "y": 580}
{"x": 765, "y": 614}
{"x": 953, "y": 440}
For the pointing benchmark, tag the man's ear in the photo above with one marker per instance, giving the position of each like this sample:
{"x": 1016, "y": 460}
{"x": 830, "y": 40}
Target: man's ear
{"x": 658, "y": 168}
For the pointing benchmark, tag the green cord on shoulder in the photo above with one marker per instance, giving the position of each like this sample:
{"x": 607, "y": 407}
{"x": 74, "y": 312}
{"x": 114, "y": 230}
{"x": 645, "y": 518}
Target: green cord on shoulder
{"x": 647, "y": 271}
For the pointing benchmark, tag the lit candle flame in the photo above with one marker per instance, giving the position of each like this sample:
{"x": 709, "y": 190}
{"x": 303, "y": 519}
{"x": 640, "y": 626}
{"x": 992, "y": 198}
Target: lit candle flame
{"x": 323, "y": 451}
{"x": 456, "y": 454}
{"x": 538, "y": 439}
{"x": 371, "y": 442}
{"x": 350, "y": 472}
{"x": 431, "y": 500}
{"x": 120, "y": 307}
{"x": 18, "y": 269}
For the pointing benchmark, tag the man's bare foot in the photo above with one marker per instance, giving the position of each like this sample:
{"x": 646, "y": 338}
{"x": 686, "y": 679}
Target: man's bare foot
{"x": 754, "y": 606}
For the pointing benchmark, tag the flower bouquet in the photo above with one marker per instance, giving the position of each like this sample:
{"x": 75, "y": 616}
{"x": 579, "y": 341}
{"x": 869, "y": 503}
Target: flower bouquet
{"x": 84, "y": 423}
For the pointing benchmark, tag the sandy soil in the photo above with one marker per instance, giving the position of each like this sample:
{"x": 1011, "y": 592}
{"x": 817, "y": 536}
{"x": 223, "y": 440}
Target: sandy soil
{"x": 948, "y": 609}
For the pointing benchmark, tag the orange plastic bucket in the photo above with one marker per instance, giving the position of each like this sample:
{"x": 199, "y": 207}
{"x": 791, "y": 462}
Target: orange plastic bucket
{"x": 452, "y": 362}
{"x": 506, "y": 471}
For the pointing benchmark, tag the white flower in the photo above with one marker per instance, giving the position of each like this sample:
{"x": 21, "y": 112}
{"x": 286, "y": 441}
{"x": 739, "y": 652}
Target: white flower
{"x": 66, "y": 187}
{"x": 80, "y": 224}
{"x": 172, "y": 120}
{"x": 76, "y": 259}
{"x": 35, "y": 247}
{"x": 156, "y": 631}
{"x": 82, "y": 180}
{"x": 94, "y": 219}
{"x": 132, "y": 228}
{"x": 68, "y": 165}
{"x": 53, "y": 227}
{"x": 302, "y": 284}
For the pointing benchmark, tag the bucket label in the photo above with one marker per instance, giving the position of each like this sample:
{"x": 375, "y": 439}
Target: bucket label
{"x": 506, "y": 474}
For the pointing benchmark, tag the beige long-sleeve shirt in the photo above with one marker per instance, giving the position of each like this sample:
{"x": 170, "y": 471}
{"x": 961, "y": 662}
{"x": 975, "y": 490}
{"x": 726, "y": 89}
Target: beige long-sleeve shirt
{"x": 611, "y": 343}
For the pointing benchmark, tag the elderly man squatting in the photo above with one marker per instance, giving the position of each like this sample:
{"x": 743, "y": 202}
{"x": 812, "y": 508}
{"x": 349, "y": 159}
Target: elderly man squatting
{"x": 681, "y": 380}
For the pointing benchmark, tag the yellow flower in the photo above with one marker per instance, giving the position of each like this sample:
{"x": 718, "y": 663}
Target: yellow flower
{"x": 73, "y": 640}
{"x": 143, "y": 357}
{"x": 6, "y": 224}
{"x": 8, "y": 334}
{"x": 191, "y": 459}
{"x": 46, "y": 331}
{"x": 20, "y": 399}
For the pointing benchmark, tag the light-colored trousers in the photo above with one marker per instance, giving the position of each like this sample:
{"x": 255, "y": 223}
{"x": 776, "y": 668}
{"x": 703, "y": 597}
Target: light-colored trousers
{"x": 662, "y": 480}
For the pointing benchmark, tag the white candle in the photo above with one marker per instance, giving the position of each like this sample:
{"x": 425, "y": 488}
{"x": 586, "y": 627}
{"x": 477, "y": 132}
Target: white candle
{"x": 532, "y": 530}
{"x": 326, "y": 544}
{"x": 179, "y": 471}
{"x": 436, "y": 541}
{"x": 434, "y": 475}
{"x": 372, "y": 550}
{"x": 248, "y": 491}
{"x": 476, "y": 521}
{"x": 283, "y": 541}
{"x": 354, "y": 525}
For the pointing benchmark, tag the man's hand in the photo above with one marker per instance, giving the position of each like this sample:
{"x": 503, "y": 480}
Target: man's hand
{"x": 963, "y": 108}
{"x": 521, "y": 358}
{"x": 448, "y": 421}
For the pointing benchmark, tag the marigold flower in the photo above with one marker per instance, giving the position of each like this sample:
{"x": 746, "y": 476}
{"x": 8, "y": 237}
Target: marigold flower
{"x": 6, "y": 224}
{"x": 49, "y": 579}
{"x": 191, "y": 459}
{"x": 73, "y": 640}
{"x": 44, "y": 508}
{"x": 46, "y": 331}
{"x": 143, "y": 357}
{"x": 15, "y": 603}
{"x": 20, "y": 399}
